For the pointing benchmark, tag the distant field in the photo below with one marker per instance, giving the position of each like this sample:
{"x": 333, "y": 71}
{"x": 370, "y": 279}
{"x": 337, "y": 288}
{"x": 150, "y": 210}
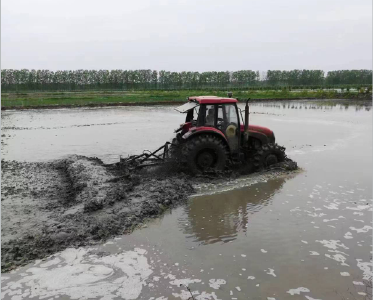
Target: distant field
{"x": 107, "y": 98}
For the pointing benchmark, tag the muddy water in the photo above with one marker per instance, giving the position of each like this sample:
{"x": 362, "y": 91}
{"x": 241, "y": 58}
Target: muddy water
{"x": 305, "y": 236}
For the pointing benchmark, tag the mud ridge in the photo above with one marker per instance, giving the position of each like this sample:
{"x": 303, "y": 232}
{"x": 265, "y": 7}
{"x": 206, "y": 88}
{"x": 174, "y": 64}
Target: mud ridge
{"x": 77, "y": 201}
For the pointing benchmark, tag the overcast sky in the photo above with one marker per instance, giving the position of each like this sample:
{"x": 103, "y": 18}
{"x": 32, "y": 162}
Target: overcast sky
{"x": 190, "y": 35}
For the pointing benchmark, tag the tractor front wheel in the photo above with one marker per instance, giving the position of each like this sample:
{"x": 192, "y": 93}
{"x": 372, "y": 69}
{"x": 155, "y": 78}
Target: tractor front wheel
{"x": 268, "y": 155}
{"x": 205, "y": 153}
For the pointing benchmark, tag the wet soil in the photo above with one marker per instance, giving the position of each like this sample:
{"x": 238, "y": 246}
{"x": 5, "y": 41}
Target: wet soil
{"x": 76, "y": 201}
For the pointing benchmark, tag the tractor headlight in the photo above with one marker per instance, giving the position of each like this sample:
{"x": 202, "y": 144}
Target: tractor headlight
{"x": 188, "y": 134}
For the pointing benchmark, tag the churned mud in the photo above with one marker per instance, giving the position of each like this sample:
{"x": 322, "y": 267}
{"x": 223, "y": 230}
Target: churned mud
{"x": 76, "y": 201}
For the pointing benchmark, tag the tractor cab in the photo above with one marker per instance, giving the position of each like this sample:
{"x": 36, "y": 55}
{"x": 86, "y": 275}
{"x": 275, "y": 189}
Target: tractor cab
{"x": 212, "y": 114}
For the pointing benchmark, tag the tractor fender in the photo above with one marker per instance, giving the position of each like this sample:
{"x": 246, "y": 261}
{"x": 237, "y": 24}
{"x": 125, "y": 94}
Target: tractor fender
{"x": 260, "y": 136}
{"x": 205, "y": 130}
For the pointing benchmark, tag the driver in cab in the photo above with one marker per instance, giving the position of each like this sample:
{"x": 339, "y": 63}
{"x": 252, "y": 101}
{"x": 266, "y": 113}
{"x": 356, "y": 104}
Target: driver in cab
{"x": 210, "y": 117}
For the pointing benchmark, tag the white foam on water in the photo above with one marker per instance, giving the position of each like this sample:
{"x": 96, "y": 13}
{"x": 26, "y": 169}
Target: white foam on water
{"x": 251, "y": 277}
{"x": 332, "y": 244}
{"x": 348, "y": 235}
{"x": 263, "y": 251}
{"x": 362, "y": 293}
{"x": 216, "y": 283}
{"x": 366, "y": 228}
{"x": 238, "y": 288}
{"x": 86, "y": 276}
{"x": 329, "y": 220}
{"x": 310, "y": 298}
{"x": 366, "y": 267}
{"x": 339, "y": 258}
{"x": 271, "y": 272}
{"x": 332, "y": 206}
{"x": 185, "y": 281}
{"x": 359, "y": 213}
{"x": 170, "y": 276}
{"x": 345, "y": 274}
{"x": 207, "y": 296}
{"x": 358, "y": 283}
{"x": 297, "y": 291}
{"x": 338, "y": 251}
{"x": 184, "y": 295}
{"x": 359, "y": 207}
{"x": 271, "y": 298}
{"x": 315, "y": 215}
{"x": 304, "y": 242}
{"x": 314, "y": 253}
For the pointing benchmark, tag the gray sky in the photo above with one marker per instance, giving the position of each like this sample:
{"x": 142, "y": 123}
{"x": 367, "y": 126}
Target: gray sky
{"x": 190, "y": 35}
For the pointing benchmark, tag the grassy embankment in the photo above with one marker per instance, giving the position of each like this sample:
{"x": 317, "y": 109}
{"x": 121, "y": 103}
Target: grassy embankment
{"x": 108, "y": 98}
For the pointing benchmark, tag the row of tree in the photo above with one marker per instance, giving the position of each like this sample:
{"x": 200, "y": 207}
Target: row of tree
{"x": 350, "y": 77}
{"x": 144, "y": 79}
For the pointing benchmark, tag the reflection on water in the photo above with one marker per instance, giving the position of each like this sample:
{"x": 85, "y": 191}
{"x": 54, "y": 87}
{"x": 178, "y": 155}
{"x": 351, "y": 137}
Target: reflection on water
{"x": 220, "y": 217}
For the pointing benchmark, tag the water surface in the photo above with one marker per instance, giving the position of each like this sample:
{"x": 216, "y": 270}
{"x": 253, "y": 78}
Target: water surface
{"x": 304, "y": 236}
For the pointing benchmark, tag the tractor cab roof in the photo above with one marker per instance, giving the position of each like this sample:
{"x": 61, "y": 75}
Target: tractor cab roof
{"x": 212, "y": 100}
{"x": 197, "y": 100}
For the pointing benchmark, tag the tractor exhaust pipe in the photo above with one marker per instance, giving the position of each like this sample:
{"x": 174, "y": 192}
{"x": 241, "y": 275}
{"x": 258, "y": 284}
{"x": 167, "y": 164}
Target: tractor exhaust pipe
{"x": 246, "y": 131}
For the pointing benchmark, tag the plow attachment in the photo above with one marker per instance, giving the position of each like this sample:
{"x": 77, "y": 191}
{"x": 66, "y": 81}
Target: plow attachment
{"x": 148, "y": 158}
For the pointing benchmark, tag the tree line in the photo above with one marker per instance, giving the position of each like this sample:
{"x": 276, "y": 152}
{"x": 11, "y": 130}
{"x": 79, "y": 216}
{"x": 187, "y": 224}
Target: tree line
{"x": 23, "y": 80}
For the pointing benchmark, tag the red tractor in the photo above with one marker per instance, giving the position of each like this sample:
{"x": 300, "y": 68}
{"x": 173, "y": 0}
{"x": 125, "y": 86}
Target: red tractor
{"x": 213, "y": 136}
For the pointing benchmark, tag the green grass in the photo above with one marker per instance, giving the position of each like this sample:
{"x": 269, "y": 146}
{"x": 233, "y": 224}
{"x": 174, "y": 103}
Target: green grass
{"x": 97, "y": 98}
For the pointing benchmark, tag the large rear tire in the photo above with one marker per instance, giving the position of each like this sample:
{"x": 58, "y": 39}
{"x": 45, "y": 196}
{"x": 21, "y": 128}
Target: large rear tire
{"x": 205, "y": 153}
{"x": 267, "y": 155}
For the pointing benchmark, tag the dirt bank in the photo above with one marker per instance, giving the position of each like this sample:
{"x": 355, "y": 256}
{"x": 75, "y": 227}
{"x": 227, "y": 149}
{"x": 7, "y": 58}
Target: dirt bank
{"x": 47, "y": 207}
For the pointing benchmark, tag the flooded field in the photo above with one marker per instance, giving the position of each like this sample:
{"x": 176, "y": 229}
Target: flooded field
{"x": 303, "y": 236}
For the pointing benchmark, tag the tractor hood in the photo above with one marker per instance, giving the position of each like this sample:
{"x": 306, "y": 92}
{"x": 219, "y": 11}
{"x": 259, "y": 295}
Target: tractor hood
{"x": 263, "y": 130}
{"x": 186, "y": 107}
